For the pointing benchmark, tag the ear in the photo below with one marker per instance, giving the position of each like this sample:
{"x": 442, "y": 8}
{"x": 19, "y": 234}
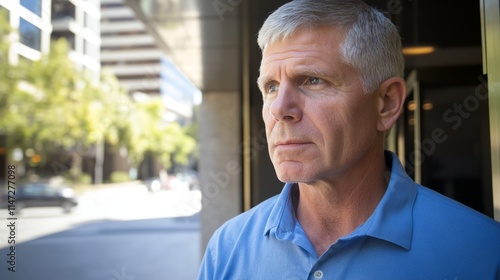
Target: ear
{"x": 391, "y": 98}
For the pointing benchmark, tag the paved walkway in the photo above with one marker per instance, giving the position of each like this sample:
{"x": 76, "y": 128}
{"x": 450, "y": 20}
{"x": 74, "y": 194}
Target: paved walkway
{"x": 120, "y": 233}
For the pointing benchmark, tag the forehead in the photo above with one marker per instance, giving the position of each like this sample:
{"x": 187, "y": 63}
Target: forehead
{"x": 317, "y": 47}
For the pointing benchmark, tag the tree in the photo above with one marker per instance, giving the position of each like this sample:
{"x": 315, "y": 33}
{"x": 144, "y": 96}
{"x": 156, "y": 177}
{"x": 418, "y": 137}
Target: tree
{"x": 9, "y": 74}
{"x": 52, "y": 107}
{"x": 150, "y": 133}
{"x": 48, "y": 105}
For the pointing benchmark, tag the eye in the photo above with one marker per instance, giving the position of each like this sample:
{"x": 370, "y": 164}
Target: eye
{"x": 271, "y": 87}
{"x": 312, "y": 81}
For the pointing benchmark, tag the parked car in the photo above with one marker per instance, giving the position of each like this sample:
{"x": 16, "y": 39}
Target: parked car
{"x": 42, "y": 195}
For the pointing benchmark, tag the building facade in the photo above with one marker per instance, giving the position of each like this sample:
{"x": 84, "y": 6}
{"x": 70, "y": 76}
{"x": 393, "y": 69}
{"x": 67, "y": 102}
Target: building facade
{"x": 33, "y": 21}
{"x": 131, "y": 53}
{"x": 128, "y": 51}
{"x": 78, "y": 21}
{"x": 40, "y": 21}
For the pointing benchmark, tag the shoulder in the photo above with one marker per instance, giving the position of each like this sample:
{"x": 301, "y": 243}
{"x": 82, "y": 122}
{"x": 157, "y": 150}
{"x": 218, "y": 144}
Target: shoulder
{"x": 439, "y": 204}
{"x": 446, "y": 218}
{"x": 239, "y": 236}
{"x": 238, "y": 244}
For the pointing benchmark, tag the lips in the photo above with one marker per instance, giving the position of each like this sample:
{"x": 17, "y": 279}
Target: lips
{"x": 291, "y": 143}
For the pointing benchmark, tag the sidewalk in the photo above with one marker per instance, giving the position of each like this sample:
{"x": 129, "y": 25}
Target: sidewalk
{"x": 119, "y": 231}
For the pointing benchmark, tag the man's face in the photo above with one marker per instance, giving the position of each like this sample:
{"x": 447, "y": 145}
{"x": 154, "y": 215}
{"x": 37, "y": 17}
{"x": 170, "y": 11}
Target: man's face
{"x": 319, "y": 122}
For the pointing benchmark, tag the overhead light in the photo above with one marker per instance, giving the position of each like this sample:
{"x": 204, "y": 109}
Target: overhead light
{"x": 412, "y": 106}
{"x": 414, "y": 45}
{"x": 418, "y": 50}
{"x": 427, "y": 106}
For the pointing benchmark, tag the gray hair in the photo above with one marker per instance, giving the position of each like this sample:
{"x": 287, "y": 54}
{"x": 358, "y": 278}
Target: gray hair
{"x": 372, "y": 44}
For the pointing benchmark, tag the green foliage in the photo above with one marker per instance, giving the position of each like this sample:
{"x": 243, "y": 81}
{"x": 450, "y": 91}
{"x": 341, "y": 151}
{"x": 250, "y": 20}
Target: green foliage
{"x": 8, "y": 73}
{"x": 49, "y": 105}
{"x": 81, "y": 178}
{"x": 119, "y": 177}
{"x": 151, "y": 134}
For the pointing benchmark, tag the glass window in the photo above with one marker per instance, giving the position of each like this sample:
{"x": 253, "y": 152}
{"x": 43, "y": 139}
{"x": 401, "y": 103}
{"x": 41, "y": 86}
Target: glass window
{"x": 63, "y": 9}
{"x": 67, "y": 35}
{"x": 455, "y": 143}
{"x": 30, "y": 34}
{"x": 446, "y": 134}
{"x": 33, "y": 5}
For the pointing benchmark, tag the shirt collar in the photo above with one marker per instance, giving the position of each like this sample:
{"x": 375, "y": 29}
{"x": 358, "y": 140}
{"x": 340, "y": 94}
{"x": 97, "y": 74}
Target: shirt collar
{"x": 392, "y": 219}
{"x": 282, "y": 217}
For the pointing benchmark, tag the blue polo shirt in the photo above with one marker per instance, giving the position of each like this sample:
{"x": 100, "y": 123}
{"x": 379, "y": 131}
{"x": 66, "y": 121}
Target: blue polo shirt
{"x": 414, "y": 233}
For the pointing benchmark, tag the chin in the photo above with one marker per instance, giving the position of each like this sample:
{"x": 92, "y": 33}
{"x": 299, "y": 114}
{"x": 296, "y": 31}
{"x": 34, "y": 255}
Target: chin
{"x": 293, "y": 172}
{"x": 295, "y": 178}
{"x": 285, "y": 178}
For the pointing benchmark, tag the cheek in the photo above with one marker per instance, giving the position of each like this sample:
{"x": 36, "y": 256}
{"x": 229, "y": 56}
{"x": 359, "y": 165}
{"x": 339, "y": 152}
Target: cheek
{"x": 348, "y": 122}
{"x": 268, "y": 125}
{"x": 266, "y": 115}
{"x": 369, "y": 115}
{"x": 268, "y": 120}
{"x": 362, "y": 125}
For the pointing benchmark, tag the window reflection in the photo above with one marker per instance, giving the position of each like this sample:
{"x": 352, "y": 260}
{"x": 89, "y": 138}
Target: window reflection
{"x": 30, "y": 34}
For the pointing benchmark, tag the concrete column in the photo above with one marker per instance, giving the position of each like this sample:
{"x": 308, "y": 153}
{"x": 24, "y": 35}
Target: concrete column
{"x": 490, "y": 16}
{"x": 220, "y": 160}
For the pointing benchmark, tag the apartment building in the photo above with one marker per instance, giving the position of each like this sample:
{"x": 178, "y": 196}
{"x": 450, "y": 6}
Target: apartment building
{"x": 40, "y": 21}
{"x": 130, "y": 52}
{"x": 32, "y": 19}
{"x": 78, "y": 21}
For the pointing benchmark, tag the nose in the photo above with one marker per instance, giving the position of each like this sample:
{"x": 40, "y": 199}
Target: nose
{"x": 287, "y": 104}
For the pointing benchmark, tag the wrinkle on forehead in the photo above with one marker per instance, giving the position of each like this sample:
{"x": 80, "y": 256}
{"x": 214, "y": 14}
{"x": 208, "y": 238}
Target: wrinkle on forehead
{"x": 326, "y": 38}
{"x": 309, "y": 52}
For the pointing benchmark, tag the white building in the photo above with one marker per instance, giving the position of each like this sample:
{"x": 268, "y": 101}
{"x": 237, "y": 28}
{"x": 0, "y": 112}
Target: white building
{"x": 128, "y": 50}
{"x": 32, "y": 19}
{"x": 79, "y": 22}
{"x": 39, "y": 21}
{"x": 131, "y": 53}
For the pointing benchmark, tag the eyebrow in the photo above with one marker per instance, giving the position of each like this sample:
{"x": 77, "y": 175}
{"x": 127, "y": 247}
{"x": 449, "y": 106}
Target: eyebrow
{"x": 262, "y": 80}
{"x": 306, "y": 71}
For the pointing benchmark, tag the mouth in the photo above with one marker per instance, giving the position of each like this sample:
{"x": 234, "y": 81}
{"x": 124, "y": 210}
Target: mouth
{"x": 291, "y": 143}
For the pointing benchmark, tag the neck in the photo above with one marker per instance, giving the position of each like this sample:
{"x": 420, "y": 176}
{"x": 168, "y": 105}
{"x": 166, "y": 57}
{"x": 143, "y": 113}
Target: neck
{"x": 328, "y": 210}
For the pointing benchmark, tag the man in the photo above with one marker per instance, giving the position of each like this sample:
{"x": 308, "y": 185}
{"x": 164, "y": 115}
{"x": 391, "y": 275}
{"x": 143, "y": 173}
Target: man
{"x": 332, "y": 81}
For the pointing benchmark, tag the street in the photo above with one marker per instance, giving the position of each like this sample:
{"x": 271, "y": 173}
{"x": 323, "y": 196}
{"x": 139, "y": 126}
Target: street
{"x": 119, "y": 233}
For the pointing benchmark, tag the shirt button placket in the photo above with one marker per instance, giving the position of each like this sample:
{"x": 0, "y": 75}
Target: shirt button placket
{"x": 318, "y": 274}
